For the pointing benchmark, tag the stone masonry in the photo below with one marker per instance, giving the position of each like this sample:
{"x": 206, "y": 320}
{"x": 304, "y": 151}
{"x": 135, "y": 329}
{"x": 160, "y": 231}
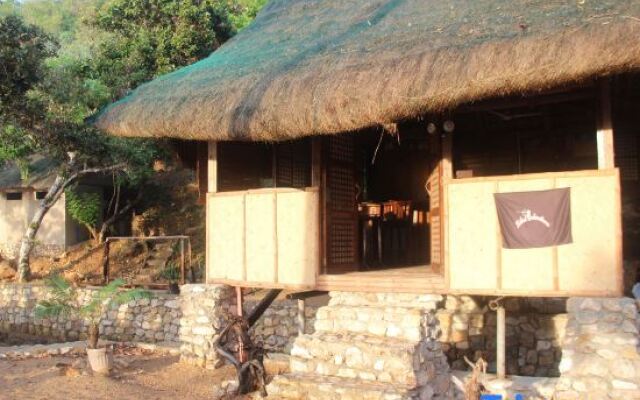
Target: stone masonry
{"x": 369, "y": 346}
{"x": 145, "y": 320}
{"x": 534, "y": 333}
{"x": 600, "y": 357}
{"x": 204, "y": 314}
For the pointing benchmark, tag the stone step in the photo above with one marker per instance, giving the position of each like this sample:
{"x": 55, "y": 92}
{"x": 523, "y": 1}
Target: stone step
{"x": 312, "y": 387}
{"x": 391, "y": 322}
{"x": 366, "y": 357}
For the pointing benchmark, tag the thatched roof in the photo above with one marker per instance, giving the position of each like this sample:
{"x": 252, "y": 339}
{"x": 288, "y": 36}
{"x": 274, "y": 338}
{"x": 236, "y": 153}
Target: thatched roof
{"x": 309, "y": 67}
{"x": 41, "y": 175}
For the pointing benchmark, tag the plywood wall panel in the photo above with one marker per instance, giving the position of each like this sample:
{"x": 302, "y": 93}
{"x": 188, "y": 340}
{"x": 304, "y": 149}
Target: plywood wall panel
{"x": 261, "y": 237}
{"x": 226, "y": 237}
{"x": 472, "y": 225}
{"x": 298, "y": 237}
{"x": 265, "y": 238}
{"x": 591, "y": 265}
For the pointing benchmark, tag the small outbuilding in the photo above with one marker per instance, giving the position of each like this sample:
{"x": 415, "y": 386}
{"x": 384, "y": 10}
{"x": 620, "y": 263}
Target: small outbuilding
{"x": 20, "y": 196}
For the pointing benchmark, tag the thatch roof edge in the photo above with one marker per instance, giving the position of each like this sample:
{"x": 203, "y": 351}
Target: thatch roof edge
{"x": 329, "y": 99}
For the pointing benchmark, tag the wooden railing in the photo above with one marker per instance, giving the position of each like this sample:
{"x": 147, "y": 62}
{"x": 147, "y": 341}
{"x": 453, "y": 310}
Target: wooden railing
{"x": 264, "y": 238}
{"x": 476, "y": 262}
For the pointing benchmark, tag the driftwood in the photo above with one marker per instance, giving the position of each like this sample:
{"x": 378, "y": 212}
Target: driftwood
{"x": 473, "y": 387}
{"x": 236, "y": 346}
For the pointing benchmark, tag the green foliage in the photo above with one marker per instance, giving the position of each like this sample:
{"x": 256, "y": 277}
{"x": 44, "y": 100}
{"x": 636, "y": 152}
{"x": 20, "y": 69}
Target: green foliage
{"x": 64, "y": 300}
{"x": 171, "y": 272}
{"x": 153, "y": 37}
{"x": 23, "y": 50}
{"x": 248, "y": 11}
{"x": 84, "y": 207}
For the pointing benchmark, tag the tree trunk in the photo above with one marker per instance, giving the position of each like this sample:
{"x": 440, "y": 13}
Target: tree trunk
{"x": 93, "y": 335}
{"x": 28, "y": 240}
{"x": 106, "y": 224}
{"x": 53, "y": 195}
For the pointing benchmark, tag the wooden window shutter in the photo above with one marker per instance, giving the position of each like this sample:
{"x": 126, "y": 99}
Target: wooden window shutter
{"x": 293, "y": 164}
{"x": 341, "y": 232}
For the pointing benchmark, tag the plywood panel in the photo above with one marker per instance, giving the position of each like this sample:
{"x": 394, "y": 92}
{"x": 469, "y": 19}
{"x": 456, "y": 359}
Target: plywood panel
{"x": 298, "y": 237}
{"x": 590, "y": 263}
{"x": 261, "y": 237}
{"x": 472, "y": 225}
{"x": 264, "y": 238}
{"x": 226, "y": 237}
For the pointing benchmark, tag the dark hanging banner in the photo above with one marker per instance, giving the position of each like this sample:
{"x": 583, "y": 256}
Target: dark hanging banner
{"x": 534, "y": 219}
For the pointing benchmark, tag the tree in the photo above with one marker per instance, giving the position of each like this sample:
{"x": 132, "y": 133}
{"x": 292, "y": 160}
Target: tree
{"x": 66, "y": 301}
{"x": 37, "y": 116}
{"x": 45, "y": 100}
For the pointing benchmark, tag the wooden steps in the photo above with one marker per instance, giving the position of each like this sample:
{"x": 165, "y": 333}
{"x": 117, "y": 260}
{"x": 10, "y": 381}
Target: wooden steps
{"x": 408, "y": 280}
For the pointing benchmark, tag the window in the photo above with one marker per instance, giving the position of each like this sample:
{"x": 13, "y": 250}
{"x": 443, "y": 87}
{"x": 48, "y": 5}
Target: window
{"x": 41, "y": 195}
{"x": 13, "y": 195}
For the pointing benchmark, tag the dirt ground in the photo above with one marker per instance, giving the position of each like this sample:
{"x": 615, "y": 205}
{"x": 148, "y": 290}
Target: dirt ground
{"x": 140, "y": 377}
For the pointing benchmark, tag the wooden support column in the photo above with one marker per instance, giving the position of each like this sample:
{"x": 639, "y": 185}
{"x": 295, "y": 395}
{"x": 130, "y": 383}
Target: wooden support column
{"x": 239, "y": 301}
{"x": 301, "y": 317}
{"x": 501, "y": 336}
{"x": 447, "y": 156}
{"x": 501, "y": 342}
{"x": 606, "y": 152}
{"x": 213, "y": 167}
{"x": 316, "y": 161}
{"x": 212, "y": 187}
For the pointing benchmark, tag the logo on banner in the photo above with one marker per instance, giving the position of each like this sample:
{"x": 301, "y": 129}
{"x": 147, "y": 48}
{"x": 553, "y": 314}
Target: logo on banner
{"x": 527, "y": 215}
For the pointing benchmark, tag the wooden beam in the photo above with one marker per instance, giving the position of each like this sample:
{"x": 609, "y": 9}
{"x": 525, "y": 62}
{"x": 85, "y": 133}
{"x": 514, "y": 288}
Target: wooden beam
{"x": 447, "y": 156}
{"x": 316, "y": 161}
{"x": 501, "y": 340}
{"x": 305, "y": 295}
{"x": 212, "y": 166}
{"x": 606, "y": 152}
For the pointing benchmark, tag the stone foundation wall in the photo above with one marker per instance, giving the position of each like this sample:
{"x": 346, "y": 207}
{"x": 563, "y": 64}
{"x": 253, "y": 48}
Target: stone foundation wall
{"x": 191, "y": 318}
{"x": 206, "y": 308}
{"x": 535, "y": 330}
{"x": 146, "y": 320}
{"x": 277, "y": 329}
{"x": 600, "y": 357}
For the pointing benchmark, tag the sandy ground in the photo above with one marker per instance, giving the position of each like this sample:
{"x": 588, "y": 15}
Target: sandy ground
{"x": 141, "y": 377}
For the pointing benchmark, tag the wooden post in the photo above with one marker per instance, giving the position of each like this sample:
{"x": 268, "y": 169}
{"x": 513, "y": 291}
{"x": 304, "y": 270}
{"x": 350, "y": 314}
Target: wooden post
{"x": 182, "y": 262}
{"x": 301, "y": 317}
{"x": 316, "y": 161}
{"x": 212, "y": 165}
{"x": 239, "y": 300}
{"x": 212, "y": 176}
{"x": 501, "y": 339}
{"x": 606, "y": 152}
{"x": 105, "y": 262}
{"x": 190, "y": 259}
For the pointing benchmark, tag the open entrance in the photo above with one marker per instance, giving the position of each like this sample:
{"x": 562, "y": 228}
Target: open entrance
{"x": 542, "y": 134}
{"x": 381, "y": 194}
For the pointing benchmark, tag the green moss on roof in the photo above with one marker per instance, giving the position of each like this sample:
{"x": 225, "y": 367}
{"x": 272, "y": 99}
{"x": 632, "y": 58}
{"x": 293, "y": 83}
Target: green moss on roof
{"x": 308, "y": 67}
{"x": 41, "y": 175}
